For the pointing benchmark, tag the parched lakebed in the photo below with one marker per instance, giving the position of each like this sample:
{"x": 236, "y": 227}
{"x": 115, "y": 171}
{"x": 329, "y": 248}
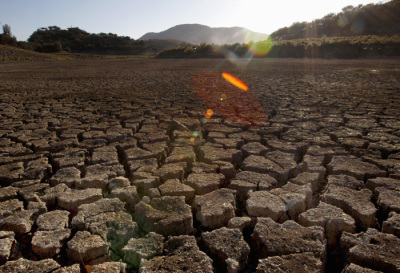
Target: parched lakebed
{"x": 164, "y": 166}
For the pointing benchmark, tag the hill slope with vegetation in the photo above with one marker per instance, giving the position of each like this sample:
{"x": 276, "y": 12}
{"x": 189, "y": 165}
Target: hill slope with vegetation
{"x": 356, "y": 32}
{"x": 334, "y": 47}
{"x": 372, "y": 19}
{"x": 55, "y": 39}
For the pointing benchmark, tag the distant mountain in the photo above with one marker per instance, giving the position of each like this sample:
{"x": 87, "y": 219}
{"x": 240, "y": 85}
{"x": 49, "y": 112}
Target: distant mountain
{"x": 196, "y": 34}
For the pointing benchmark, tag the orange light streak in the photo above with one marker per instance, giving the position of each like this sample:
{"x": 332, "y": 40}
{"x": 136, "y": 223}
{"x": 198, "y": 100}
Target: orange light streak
{"x": 235, "y": 81}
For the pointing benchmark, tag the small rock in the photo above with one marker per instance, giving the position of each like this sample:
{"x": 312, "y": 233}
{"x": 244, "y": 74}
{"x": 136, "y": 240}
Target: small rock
{"x": 107, "y": 155}
{"x": 38, "y": 169}
{"x": 70, "y": 158}
{"x": 47, "y": 244}
{"x": 72, "y": 199}
{"x": 165, "y": 215}
{"x": 98, "y": 176}
{"x": 154, "y": 192}
{"x": 304, "y": 190}
{"x": 266, "y": 204}
{"x": 254, "y": 148}
{"x": 331, "y": 218}
{"x": 159, "y": 149}
{"x": 173, "y": 187}
{"x": 109, "y": 267}
{"x": 181, "y": 255}
{"x": 226, "y": 168}
{"x": 386, "y": 182}
{"x": 75, "y": 268}
{"x": 11, "y": 173}
{"x": 353, "y": 167}
{"x": 119, "y": 182}
{"x": 10, "y": 207}
{"x": 246, "y": 181}
{"x": 240, "y": 223}
{"x": 52, "y": 220}
{"x": 143, "y": 248}
{"x": 392, "y": 224}
{"x": 84, "y": 247}
{"x": 372, "y": 249}
{"x": 171, "y": 171}
{"x": 215, "y": 209}
{"x": 355, "y": 203}
{"x": 181, "y": 154}
{"x": 137, "y": 153}
{"x": 8, "y": 193}
{"x": 142, "y": 165}
{"x": 23, "y": 265}
{"x": 69, "y": 176}
{"x": 201, "y": 167}
{"x": 32, "y": 193}
{"x": 145, "y": 183}
{"x": 388, "y": 200}
{"x": 296, "y": 149}
{"x": 312, "y": 163}
{"x": 223, "y": 244}
{"x": 260, "y": 164}
{"x": 7, "y": 243}
{"x": 286, "y": 161}
{"x": 205, "y": 182}
{"x": 86, "y": 211}
{"x": 273, "y": 239}
{"x": 209, "y": 154}
{"x": 128, "y": 195}
{"x": 50, "y": 194}
{"x": 353, "y": 268}
{"x": 302, "y": 262}
{"x": 20, "y": 222}
{"x": 316, "y": 180}
{"x": 295, "y": 202}
{"x": 345, "y": 181}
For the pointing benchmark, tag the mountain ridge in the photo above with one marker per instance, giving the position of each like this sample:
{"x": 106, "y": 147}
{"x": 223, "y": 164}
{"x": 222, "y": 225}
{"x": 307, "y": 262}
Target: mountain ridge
{"x": 197, "y": 33}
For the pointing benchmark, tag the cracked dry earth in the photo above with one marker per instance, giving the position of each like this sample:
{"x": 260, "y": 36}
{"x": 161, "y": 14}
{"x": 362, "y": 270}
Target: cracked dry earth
{"x": 112, "y": 166}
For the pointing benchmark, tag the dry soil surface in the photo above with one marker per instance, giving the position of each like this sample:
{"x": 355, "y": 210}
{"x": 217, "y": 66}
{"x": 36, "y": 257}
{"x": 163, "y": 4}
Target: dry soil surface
{"x": 164, "y": 166}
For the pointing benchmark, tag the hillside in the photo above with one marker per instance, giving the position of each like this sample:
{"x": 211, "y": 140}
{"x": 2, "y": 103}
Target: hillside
{"x": 158, "y": 45}
{"x": 11, "y": 53}
{"x": 55, "y": 39}
{"x": 373, "y": 19}
{"x": 196, "y": 34}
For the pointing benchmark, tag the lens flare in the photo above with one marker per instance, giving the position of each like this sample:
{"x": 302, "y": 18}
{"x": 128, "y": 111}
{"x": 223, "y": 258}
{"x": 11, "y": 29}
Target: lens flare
{"x": 235, "y": 81}
{"x": 195, "y": 134}
{"x": 203, "y": 121}
{"x": 209, "y": 113}
{"x": 236, "y": 106}
{"x": 192, "y": 139}
{"x": 260, "y": 48}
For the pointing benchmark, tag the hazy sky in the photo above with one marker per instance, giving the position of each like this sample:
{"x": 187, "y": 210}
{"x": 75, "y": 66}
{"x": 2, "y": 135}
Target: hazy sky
{"x": 134, "y": 18}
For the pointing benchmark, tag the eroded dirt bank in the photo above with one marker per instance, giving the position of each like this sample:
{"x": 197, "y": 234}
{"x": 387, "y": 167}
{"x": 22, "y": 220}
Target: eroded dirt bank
{"x": 113, "y": 165}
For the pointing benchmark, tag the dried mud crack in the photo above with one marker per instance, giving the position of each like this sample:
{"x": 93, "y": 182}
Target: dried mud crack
{"x": 118, "y": 166}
